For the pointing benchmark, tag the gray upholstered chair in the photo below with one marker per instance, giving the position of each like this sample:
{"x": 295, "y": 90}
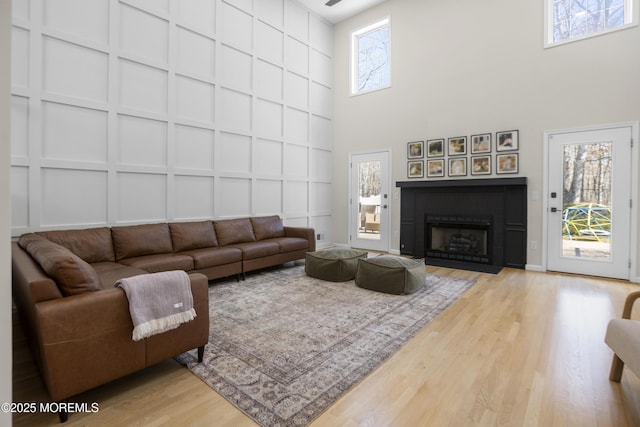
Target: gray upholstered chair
{"x": 623, "y": 336}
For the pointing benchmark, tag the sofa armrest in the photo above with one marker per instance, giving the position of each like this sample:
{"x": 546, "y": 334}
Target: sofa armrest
{"x": 95, "y": 313}
{"x": 189, "y": 335}
{"x": 86, "y": 340}
{"x": 628, "y": 304}
{"x": 78, "y": 316}
{"x": 30, "y": 283}
{"x": 304, "y": 233}
{"x": 622, "y": 338}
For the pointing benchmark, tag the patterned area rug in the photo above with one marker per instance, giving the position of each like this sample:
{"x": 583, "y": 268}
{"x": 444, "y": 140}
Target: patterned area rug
{"x": 283, "y": 347}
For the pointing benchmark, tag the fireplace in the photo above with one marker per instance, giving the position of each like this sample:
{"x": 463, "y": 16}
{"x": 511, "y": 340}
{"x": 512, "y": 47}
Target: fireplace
{"x": 476, "y": 224}
{"x": 458, "y": 238}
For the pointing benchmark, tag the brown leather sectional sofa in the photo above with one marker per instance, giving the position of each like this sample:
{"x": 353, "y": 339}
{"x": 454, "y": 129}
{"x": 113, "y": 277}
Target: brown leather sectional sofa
{"x": 78, "y": 324}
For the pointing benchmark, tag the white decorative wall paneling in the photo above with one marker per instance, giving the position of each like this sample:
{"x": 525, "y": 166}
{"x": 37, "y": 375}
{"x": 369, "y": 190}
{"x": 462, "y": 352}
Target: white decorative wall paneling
{"x": 134, "y": 111}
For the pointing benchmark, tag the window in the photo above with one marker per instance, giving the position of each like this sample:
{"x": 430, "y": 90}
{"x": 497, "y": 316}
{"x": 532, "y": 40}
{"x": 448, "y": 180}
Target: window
{"x": 569, "y": 20}
{"x": 370, "y": 57}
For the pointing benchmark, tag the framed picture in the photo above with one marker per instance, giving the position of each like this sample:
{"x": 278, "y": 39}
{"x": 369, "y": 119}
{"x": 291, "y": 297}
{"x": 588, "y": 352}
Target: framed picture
{"x": 415, "y": 169}
{"x": 435, "y": 168}
{"x": 457, "y": 146}
{"x": 458, "y": 166}
{"x": 481, "y": 143}
{"x": 507, "y": 163}
{"x": 415, "y": 150}
{"x": 435, "y": 148}
{"x": 507, "y": 140}
{"x": 481, "y": 165}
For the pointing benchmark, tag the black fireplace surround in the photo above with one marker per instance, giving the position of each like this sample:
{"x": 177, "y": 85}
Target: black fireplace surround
{"x": 477, "y": 224}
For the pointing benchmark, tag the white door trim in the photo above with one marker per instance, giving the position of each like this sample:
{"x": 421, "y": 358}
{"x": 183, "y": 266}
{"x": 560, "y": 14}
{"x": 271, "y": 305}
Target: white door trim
{"x": 634, "y": 275}
{"x": 387, "y": 241}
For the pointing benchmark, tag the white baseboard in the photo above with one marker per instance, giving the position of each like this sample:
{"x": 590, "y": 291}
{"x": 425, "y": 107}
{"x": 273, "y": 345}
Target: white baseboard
{"x": 324, "y": 245}
{"x": 541, "y": 269}
{"x": 327, "y": 245}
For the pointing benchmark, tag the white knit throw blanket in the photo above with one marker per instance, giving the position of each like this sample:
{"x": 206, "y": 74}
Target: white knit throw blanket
{"x": 158, "y": 302}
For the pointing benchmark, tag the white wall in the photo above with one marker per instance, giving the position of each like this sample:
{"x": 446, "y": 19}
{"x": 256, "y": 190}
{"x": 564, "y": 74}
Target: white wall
{"x": 467, "y": 67}
{"x": 131, "y": 111}
{"x": 5, "y": 213}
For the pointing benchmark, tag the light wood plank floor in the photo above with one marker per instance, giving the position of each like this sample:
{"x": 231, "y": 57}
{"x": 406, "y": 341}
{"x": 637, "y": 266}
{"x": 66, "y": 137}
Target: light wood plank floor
{"x": 518, "y": 349}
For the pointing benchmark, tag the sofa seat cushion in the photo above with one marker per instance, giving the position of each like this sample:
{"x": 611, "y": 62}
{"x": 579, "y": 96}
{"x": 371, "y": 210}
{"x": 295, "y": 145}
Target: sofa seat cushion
{"x": 255, "y": 250}
{"x": 92, "y": 244}
{"x": 231, "y": 231}
{"x": 391, "y": 274}
{"x": 110, "y": 272}
{"x": 138, "y": 240}
{"x": 72, "y": 274}
{"x": 211, "y": 257}
{"x": 162, "y": 262}
{"x": 290, "y": 244}
{"x": 192, "y": 235}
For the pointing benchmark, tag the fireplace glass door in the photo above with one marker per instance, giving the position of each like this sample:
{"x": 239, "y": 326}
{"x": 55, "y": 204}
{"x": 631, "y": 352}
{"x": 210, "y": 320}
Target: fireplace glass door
{"x": 461, "y": 240}
{"x": 458, "y": 238}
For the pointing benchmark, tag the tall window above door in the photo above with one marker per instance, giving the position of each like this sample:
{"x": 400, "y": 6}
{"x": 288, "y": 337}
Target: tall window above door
{"x": 371, "y": 57}
{"x": 569, "y": 20}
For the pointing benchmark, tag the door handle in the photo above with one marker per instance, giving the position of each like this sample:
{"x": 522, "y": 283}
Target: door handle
{"x": 554, "y": 210}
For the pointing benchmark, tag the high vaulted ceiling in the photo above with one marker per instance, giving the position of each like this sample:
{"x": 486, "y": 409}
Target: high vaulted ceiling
{"x": 341, "y": 10}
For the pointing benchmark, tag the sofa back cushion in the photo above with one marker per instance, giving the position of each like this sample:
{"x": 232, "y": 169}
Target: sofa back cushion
{"x": 230, "y": 231}
{"x": 72, "y": 274}
{"x": 92, "y": 245}
{"x": 267, "y": 227}
{"x": 192, "y": 235}
{"x": 138, "y": 240}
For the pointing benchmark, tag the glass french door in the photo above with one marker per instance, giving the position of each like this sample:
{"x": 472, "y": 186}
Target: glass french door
{"x": 589, "y": 202}
{"x": 369, "y": 201}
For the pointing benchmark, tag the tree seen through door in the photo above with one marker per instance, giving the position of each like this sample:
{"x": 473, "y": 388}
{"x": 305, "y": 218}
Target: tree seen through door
{"x": 369, "y": 186}
{"x": 586, "y": 200}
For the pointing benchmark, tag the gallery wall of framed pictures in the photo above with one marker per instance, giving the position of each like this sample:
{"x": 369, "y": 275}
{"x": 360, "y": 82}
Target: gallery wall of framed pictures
{"x": 459, "y": 156}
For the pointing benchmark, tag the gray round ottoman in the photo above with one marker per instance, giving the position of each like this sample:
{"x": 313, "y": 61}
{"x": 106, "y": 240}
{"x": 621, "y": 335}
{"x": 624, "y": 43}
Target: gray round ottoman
{"x": 334, "y": 265}
{"x": 391, "y": 274}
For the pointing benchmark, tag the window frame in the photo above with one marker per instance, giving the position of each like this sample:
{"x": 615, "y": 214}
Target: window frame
{"x": 354, "y": 69}
{"x": 631, "y": 20}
